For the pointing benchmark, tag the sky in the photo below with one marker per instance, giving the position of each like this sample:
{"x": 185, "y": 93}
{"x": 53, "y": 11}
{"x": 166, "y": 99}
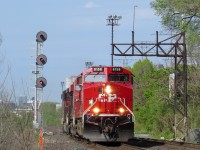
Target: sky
{"x": 77, "y": 32}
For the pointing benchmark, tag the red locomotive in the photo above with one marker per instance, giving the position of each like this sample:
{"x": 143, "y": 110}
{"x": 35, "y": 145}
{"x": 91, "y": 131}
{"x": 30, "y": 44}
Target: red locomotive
{"x": 98, "y": 104}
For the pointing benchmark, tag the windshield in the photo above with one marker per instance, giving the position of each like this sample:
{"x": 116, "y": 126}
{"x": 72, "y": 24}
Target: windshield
{"x": 95, "y": 78}
{"x": 118, "y": 77}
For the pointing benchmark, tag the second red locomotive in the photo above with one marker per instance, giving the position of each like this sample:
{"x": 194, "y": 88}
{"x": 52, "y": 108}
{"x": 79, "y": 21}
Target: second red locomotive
{"x": 98, "y": 104}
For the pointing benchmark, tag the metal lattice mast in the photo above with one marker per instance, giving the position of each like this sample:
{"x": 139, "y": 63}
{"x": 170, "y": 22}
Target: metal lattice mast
{"x": 176, "y": 50}
{"x": 113, "y": 21}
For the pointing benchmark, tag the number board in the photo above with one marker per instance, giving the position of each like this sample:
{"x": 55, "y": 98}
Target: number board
{"x": 97, "y": 69}
{"x": 116, "y": 69}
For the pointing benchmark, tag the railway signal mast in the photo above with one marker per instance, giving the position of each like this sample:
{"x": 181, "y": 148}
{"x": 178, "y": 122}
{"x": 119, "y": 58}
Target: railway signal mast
{"x": 113, "y": 21}
{"x": 40, "y": 82}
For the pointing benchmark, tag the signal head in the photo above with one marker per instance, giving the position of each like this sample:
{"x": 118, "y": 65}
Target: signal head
{"x": 41, "y": 36}
{"x": 41, "y": 60}
{"x": 41, "y": 82}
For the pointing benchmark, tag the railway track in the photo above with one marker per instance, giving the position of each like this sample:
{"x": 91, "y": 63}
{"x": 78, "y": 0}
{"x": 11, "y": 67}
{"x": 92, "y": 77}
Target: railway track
{"x": 117, "y": 146}
{"x": 59, "y": 140}
{"x": 131, "y": 147}
{"x": 151, "y": 144}
{"x": 147, "y": 143}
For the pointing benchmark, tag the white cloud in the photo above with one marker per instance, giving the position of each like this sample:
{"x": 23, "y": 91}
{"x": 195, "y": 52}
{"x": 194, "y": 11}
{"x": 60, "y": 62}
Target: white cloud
{"x": 91, "y": 5}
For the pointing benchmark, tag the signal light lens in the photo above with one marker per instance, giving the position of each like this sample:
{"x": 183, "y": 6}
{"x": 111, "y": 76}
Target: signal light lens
{"x": 121, "y": 110}
{"x": 108, "y": 89}
{"x": 96, "y": 110}
{"x": 42, "y": 59}
{"x": 41, "y": 36}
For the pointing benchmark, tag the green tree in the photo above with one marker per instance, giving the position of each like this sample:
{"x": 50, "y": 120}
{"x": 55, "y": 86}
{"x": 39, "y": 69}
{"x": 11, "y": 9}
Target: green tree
{"x": 182, "y": 15}
{"x": 178, "y": 14}
{"x": 142, "y": 67}
{"x": 194, "y": 96}
{"x": 140, "y": 70}
{"x": 153, "y": 108}
{"x": 50, "y": 115}
{"x": 129, "y": 68}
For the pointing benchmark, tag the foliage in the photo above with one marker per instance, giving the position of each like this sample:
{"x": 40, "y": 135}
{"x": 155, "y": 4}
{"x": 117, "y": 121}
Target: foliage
{"x": 178, "y": 15}
{"x": 16, "y": 131}
{"x": 128, "y": 68}
{"x": 194, "y": 96}
{"x": 142, "y": 67}
{"x": 51, "y": 115}
{"x": 182, "y": 15}
{"x": 153, "y": 107}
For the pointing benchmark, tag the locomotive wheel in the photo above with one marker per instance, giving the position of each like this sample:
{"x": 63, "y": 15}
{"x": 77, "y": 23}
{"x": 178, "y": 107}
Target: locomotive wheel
{"x": 66, "y": 128}
{"x": 73, "y": 130}
{"x": 79, "y": 128}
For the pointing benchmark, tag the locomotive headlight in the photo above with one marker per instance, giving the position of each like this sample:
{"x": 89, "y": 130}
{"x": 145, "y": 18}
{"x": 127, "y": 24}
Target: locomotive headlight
{"x": 108, "y": 89}
{"x": 96, "y": 110}
{"x": 121, "y": 110}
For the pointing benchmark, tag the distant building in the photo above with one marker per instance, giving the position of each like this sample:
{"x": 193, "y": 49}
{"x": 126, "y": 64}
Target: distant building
{"x": 159, "y": 66}
{"x": 10, "y": 105}
{"x": 28, "y": 105}
{"x": 58, "y": 106}
{"x": 22, "y": 100}
{"x": 171, "y": 84}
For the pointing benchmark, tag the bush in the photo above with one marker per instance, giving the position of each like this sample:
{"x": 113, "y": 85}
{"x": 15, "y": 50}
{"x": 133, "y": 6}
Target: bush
{"x": 50, "y": 115}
